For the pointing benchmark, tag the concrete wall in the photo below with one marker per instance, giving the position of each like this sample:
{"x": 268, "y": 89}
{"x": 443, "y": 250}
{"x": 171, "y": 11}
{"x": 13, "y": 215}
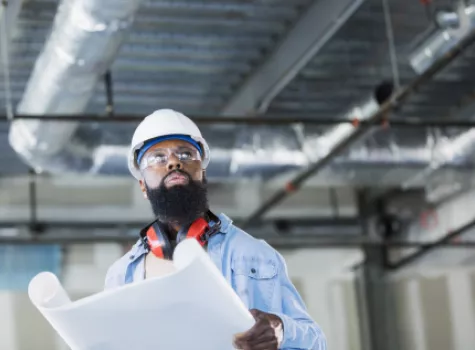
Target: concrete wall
{"x": 434, "y": 309}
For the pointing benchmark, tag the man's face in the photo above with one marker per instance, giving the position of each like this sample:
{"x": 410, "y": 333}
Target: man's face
{"x": 155, "y": 174}
{"x": 173, "y": 181}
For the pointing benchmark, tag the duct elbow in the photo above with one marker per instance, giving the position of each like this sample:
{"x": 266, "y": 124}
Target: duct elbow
{"x": 452, "y": 28}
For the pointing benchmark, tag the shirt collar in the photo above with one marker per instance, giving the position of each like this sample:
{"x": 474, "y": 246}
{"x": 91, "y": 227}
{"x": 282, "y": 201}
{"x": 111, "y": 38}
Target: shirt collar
{"x": 226, "y": 222}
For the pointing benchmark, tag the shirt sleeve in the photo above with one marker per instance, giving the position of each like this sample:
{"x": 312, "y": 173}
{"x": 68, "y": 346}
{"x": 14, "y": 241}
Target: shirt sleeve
{"x": 300, "y": 332}
{"x": 112, "y": 279}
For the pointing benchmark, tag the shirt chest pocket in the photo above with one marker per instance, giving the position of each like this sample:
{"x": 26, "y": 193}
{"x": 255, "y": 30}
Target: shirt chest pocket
{"x": 254, "y": 281}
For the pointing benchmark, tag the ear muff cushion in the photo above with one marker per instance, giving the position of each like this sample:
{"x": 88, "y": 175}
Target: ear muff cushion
{"x": 158, "y": 242}
{"x": 197, "y": 229}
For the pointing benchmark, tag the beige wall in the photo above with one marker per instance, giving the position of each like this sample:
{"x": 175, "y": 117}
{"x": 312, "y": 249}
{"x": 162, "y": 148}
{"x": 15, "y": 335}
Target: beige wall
{"x": 434, "y": 309}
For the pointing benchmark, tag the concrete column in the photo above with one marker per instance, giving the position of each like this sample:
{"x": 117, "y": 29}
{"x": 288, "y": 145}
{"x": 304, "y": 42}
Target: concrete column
{"x": 7, "y": 321}
{"x": 339, "y": 316}
{"x": 417, "y": 318}
{"x": 461, "y": 308}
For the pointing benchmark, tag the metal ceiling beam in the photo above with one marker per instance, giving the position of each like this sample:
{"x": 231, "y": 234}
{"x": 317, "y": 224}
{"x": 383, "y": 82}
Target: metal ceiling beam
{"x": 441, "y": 242}
{"x": 447, "y": 222}
{"x": 394, "y": 102}
{"x": 274, "y": 240}
{"x": 303, "y": 222}
{"x": 9, "y": 11}
{"x": 315, "y": 28}
{"x": 406, "y": 122}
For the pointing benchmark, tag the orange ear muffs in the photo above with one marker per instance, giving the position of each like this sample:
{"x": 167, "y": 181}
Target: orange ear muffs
{"x": 198, "y": 230}
{"x": 158, "y": 242}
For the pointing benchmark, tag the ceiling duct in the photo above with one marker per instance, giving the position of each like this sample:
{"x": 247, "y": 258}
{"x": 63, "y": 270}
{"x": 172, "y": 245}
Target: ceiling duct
{"x": 452, "y": 27}
{"x": 84, "y": 41}
{"x": 320, "y": 146}
{"x": 266, "y": 151}
{"x": 243, "y": 151}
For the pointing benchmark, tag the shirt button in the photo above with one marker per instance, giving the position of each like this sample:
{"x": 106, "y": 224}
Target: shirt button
{"x": 131, "y": 257}
{"x": 253, "y": 270}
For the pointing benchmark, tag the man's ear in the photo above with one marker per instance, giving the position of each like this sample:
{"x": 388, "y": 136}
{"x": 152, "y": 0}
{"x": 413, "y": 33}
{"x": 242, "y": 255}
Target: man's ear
{"x": 143, "y": 188}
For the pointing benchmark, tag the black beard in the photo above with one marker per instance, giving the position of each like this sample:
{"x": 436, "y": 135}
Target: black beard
{"x": 179, "y": 204}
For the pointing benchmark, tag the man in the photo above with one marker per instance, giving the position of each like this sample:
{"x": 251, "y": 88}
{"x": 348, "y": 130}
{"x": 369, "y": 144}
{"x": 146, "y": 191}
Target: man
{"x": 168, "y": 157}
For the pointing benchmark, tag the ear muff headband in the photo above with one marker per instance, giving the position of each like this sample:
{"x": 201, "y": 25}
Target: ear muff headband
{"x": 200, "y": 230}
{"x": 197, "y": 230}
{"x": 158, "y": 243}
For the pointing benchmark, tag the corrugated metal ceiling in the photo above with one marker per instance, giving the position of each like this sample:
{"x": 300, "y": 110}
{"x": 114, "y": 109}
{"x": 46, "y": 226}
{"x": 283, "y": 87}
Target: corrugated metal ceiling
{"x": 189, "y": 55}
{"x": 348, "y": 69}
{"x": 357, "y": 59}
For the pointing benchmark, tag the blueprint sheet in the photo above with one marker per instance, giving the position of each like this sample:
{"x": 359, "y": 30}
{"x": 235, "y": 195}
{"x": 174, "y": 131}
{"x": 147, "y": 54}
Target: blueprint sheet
{"x": 192, "y": 307}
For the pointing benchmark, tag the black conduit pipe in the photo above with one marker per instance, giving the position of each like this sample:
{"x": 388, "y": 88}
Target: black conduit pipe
{"x": 408, "y": 122}
{"x": 441, "y": 242}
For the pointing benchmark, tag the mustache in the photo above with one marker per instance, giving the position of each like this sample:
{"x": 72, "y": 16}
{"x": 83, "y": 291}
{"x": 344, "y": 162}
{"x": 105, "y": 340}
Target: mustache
{"x": 177, "y": 171}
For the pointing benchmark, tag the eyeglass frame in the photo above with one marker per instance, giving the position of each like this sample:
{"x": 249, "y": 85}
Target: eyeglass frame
{"x": 195, "y": 156}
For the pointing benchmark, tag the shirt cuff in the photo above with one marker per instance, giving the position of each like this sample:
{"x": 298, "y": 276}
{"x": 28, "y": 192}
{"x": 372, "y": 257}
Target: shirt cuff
{"x": 287, "y": 330}
{"x": 279, "y": 332}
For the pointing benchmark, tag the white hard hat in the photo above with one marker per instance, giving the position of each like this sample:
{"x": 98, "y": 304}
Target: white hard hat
{"x": 161, "y": 123}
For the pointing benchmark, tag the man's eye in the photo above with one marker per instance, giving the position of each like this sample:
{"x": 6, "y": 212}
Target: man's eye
{"x": 160, "y": 157}
{"x": 185, "y": 155}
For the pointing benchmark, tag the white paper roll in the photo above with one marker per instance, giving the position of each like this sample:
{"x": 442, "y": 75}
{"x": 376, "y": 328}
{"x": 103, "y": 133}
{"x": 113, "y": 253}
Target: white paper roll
{"x": 192, "y": 307}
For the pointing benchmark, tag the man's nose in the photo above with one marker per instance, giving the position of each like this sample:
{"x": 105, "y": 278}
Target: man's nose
{"x": 174, "y": 163}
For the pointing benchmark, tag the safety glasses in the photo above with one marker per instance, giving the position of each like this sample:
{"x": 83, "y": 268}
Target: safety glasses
{"x": 159, "y": 157}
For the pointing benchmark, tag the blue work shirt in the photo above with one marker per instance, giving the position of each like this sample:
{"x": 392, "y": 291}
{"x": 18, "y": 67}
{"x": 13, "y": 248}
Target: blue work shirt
{"x": 256, "y": 272}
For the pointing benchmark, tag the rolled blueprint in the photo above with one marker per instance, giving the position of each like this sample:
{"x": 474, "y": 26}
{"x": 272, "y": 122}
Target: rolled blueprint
{"x": 192, "y": 307}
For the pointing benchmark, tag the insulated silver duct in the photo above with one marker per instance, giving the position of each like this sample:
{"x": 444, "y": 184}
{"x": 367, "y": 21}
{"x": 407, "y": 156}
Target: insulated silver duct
{"x": 266, "y": 151}
{"x": 85, "y": 39}
{"x": 452, "y": 27}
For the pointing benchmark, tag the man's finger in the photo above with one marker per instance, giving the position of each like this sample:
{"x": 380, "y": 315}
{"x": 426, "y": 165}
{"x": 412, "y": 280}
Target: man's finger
{"x": 255, "y": 313}
{"x": 259, "y": 327}
{"x": 265, "y": 337}
{"x": 237, "y": 340}
{"x": 269, "y": 345}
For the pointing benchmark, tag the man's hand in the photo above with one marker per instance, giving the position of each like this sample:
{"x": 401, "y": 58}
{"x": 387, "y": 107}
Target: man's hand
{"x": 264, "y": 335}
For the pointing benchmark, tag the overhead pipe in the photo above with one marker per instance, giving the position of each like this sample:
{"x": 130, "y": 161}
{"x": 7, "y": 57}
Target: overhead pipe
{"x": 357, "y": 115}
{"x": 376, "y": 118}
{"x": 255, "y": 152}
{"x": 281, "y": 225}
{"x": 268, "y": 120}
{"x": 290, "y": 242}
{"x": 9, "y": 12}
{"x": 453, "y": 26}
{"x": 84, "y": 41}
